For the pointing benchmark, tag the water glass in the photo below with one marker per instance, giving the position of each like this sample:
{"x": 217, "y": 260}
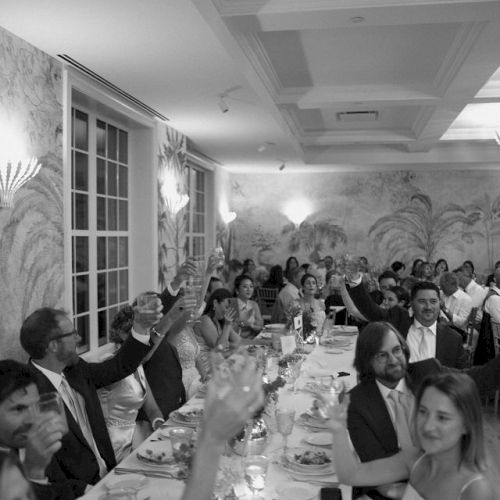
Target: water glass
{"x": 180, "y": 438}
{"x": 52, "y": 403}
{"x": 255, "y": 470}
{"x": 148, "y": 301}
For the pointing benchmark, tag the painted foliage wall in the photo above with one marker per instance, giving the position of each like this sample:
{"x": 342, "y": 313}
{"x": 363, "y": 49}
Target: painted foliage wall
{"x": 31, "y": 233}
{"x": 382, "y": 215}
{"x": 172, "y": 184}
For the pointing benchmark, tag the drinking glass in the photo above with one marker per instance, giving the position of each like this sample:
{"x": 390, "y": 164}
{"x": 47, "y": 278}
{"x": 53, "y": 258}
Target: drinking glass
{"x": 294, "y": 375}
{"x": 52, "y": 403}
{"x": 193, "y": 289}
{"x": 147, "y": 300}
{"x": 332, "y": 397}
{"x": 180, "y": 438}
{"x": 285, "y": 419}
{"x": 255, "y": 470}
{"x": 218, "y": 253}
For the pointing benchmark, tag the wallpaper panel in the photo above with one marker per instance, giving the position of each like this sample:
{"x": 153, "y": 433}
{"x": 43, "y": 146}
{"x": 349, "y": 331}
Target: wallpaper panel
{"x": 31, "y": 233}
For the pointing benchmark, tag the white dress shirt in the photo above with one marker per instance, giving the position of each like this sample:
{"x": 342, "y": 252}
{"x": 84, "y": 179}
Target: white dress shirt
{"x": 492, "y": 305}
{"x": 414, "y": 340}
{"x": 477, "y": 293}
{"x": 459, "y": 305}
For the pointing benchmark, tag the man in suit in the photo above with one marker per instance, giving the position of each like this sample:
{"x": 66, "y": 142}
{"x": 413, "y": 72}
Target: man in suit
{"x": 49, "y": 337}
{"x": 382, "y": 362}
{"x": 33, "y": 438}
{"x": 426, "y": 338}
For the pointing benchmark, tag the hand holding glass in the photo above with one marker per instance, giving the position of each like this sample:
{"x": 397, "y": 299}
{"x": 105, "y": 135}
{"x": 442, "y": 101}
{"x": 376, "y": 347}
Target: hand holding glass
{"x": 52, "y": 403}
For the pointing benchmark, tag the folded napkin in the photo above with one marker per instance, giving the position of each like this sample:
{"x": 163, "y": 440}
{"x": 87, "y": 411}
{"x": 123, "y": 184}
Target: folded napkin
{"x": 160, "y": 474}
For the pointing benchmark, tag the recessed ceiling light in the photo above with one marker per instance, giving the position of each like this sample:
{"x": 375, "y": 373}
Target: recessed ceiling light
{"x": 357, "y": 19}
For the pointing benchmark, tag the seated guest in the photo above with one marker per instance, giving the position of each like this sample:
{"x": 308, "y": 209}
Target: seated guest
{"x": 425, "y": 336}
{"x": 275, "y": 279}
{"x": 261, "y": 276}
{"x": 288, "y": 296}
{"x": 399, "y": 268}
{"x": 469, "y": 266}
{"x": 440, "y": 267}
{"x": 39, "y": 437}
{"x": 122, "y": 400}
{"x": 290, "y": 265}
{"x": 387, "y": 280}
{"x": 234, "y": 268}
{"x": 333, "y": 296}
{"x": 249, "y": 319}
{"x": 50, "y": 339}
{"x": 491, "y": 277}
{"x": 448, "y": 460}
{"x": 456, "y": 304}
{"x": 476, "y": 292}
{"x": 408, "y": 283}
{"x": 13, "y": 482}
{"x": 395, "y": 296}
{"x": 248, "y": 267}
{"x": 377, "y": 297}
{"x": 309, "y": 303}
{"x": 415, "y": 268}
{"x": 425, "y": 272}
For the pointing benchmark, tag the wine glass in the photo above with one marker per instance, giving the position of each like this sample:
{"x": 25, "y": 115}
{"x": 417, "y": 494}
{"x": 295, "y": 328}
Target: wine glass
{"x": 285, "y": 419}
{"x": 294, "y": 375}
{"x": 193, "y": 289}
{"x": 255, "y": 469}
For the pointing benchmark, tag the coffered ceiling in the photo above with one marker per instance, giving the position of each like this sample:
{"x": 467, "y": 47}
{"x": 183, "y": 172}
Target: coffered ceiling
{"x": 310, "y": 83}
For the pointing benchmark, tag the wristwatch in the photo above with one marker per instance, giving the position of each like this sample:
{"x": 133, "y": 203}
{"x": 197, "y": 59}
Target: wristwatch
{"x": 157, "y": 333}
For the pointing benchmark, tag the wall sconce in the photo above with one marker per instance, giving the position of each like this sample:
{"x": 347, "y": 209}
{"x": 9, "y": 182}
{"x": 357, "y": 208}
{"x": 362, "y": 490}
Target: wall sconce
{"x": 171, "y": 192}
{"x": 297, "y": 211}
{"x": 13, "y": 177}
{"x": 228, "y": 217}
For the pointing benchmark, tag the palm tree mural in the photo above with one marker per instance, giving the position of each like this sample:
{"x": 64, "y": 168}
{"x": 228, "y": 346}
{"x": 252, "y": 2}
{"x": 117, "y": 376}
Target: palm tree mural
{"x": 314, "y": 236}
{"x": 418, "y": 229}
{"x": 487, "y": 211}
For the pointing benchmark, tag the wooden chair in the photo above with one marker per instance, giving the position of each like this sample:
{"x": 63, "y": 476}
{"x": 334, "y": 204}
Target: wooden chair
{"x": 266, "y": 297}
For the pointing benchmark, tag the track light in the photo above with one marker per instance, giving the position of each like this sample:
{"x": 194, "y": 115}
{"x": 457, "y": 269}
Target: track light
{"x": 223, "y": 104}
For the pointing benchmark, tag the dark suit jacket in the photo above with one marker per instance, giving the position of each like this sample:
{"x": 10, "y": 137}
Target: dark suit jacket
{"x": 75, "y": 459}
{"x": 449, "y": 343}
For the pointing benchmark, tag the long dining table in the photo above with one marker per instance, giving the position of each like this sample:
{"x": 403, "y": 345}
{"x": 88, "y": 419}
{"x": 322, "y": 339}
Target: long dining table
{"x": 333, "y": 355}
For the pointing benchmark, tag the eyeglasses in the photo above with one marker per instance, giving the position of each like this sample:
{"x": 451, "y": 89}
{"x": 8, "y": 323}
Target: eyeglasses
{"x": 383, "y": 356}
{"x": 69, "y": 334}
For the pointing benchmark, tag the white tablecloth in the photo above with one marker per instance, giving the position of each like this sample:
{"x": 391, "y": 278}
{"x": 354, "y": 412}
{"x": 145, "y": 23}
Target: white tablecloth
{"x": 322, "y": 361}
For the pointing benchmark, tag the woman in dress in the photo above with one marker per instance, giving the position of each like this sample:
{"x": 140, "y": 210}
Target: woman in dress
{"x": 309, "y": 303}
{"x": 122, "y": 400}
{"x": 249, "y": 320}
{"x": 440, "y": 268}
{"x": 448, "y": 462}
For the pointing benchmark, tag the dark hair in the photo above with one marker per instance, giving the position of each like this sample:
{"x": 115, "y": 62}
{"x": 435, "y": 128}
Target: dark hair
{"x": 14, "y": 376}
{"x": 397, "y": 266}
{"x": 305, "y": 266}
{"x": 218, "y": 295}
{"x": 246, "y": 264}
{"x": 401, "y": 294}
{"x": 306, "y": 276}
{"x": 463, "y": 393}
{"x": 122, "y": 322}
{"x": 388, "y": 274}
{"x": 239, "y": 279}
{"x": 416, "y": 263}
{"x": 287, "y": 265}
{"x": 423, "y": 285}
{"x": 439, "y": 262}
{"x": 276, "y": 275}
{"x": 213, "y": 280}
{"x": 369, "y": 343}
{"x": 235, "y": 265}
{"x": 38, "y": 329}
{"x": 469, "y": 263}
{"x": 377, "y": 296}
{"x": 292, "y": 274}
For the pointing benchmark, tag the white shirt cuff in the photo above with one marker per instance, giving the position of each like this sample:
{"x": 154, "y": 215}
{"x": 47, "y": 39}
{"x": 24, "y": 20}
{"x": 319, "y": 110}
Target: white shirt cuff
{"x": 356, "y": 282}
{"x": 44, "y": 481}
{"x": 171, "y": 291}
{"x": 143, "y": 339}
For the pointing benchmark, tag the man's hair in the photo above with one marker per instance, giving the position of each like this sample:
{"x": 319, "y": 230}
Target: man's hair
{"x": 14, "y": 376}
{"x": 397, "y": 265}
{"x": 38, "y": 329}
{"x": 387, "y": 274}
{"x": 449, "y": 278}
{"x": 423, "y": 285}
{"x": 369, "y": 343}
{"x": 294, "y": 273}
{"x": 239, "y": 280}
{"x": 401, "y": 294}
{"x": 213, "y": 280}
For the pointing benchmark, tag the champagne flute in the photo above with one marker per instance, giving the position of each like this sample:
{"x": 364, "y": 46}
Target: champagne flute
{"x": 285, "y": 419}
{"x": 255, "y": 469}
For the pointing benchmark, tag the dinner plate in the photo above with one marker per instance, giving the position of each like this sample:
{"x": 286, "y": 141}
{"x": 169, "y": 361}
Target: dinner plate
{"x": 158, "y": 453}
{"x": 310, "y": 421}
{"x": 298, "y": 491}
{"x": 305, "y": 474}
{"x": 300, "y": 459}
{"x": 319, "y": 439}
{"x": 126, "y": 481}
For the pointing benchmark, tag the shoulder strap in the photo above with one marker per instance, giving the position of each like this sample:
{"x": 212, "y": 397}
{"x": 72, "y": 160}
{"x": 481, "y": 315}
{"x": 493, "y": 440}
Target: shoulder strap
{"x": 477, "y": 477}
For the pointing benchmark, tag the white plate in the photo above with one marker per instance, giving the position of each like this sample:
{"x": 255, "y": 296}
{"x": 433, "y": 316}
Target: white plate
{"x": 126, "y": 481}
{"x": 298, "y": 491}
{"x": 156, "y": 453}
{"x": 319, "y": 439}
{"x": 295, "y": 464}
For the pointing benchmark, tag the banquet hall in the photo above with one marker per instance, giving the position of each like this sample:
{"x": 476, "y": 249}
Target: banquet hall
{"x": 147, "y": 132}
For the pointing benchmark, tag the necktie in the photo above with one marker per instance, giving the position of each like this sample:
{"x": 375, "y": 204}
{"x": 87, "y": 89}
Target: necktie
{"x": 79, "y": 413}
{"x": 422, "y": 347}
{"x": 401, "y": 419}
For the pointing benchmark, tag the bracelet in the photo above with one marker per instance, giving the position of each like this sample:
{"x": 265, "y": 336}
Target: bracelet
{"x": 157, "y": 333}
{"x": 157, "y": 422}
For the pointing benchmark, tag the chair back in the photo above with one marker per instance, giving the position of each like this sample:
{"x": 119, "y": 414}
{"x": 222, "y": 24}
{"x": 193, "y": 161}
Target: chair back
{"x": 266, "y": 297}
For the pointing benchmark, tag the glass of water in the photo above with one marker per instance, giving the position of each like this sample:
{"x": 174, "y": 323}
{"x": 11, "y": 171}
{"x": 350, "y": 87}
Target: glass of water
{"x": 255, "y": 470}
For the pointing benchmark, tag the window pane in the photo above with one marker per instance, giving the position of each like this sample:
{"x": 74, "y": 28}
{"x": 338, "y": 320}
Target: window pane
{"x": 80, "y": 172}
{"x": 101, "y": 252}
{"x": 112, "y": 311}
{"x": 112, "y": 216}
{"x": 81, "y": 254}
{"x": 123, "y": 182}
{"x": 123, "y": 251}
{"x": 80, "y": 130}
{"x": 123, "y": 285}
{"x": 200, "y": 181}
{"x": 101, "y": 176}
{"x": 112, "y": 139}
{"x": 123, "y": 215}
{"x": 112, "y": 179}
{"x": 81, "y": 211}
{"x": 123, "y": 147}
{"x": 198, "y": 223}
{"x": 83, "y": 329}
{"x": 102, "y": 290}
{"x": 102, "y": 325}
{"x": 200, "y": 202}
{"x": 82, "y": 293}
{"x": 112, "y": 287}
{"x": 100, "y": 138}
{"x": 112, "y": 253}
{"x": 101, "y": 213}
